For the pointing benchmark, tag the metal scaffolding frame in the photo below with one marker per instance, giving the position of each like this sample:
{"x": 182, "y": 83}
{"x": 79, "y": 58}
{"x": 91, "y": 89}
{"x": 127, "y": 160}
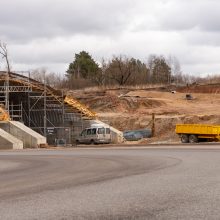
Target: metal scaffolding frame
{"x": 41, "y": 103}
{"x": 16, "y": 111}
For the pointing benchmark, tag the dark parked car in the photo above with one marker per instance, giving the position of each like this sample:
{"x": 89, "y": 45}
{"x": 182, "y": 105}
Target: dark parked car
{"x": 136, "y": 135}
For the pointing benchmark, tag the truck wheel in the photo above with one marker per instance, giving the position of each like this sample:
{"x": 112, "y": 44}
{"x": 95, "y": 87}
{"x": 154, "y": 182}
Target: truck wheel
{"x": 193, "y": 138}
{"x": 185, "y": 138}
{"x": 92, "y": 142}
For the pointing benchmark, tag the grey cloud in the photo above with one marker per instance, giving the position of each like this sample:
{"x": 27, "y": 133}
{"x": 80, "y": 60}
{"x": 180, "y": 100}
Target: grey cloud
{"x": 201, "y": 38}
{"x": 49, "y": 32}
{"x": 186, "y": 15}
{"x": 26, "y": 20}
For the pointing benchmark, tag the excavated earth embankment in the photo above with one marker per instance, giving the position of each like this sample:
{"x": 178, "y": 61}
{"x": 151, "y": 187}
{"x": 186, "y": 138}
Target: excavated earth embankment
{"x": 132, "y": 109}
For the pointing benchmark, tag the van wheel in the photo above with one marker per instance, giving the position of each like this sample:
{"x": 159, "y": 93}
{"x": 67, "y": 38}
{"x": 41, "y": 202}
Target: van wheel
{"x": 193, "y": 138}
{"x": 77, "y": 142}
{"x": 92, "y": 142}
{"x": 185, "y": 138}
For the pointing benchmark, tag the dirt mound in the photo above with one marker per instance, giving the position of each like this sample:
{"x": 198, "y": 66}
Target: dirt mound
{"x": 110, "y": 102}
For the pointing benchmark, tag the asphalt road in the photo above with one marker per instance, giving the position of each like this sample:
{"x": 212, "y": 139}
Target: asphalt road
{"x": 110, "y": 184}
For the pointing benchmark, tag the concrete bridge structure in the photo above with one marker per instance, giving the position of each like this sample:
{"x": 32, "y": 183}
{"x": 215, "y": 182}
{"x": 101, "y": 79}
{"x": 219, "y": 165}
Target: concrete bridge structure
{"x": 45, "y": 114}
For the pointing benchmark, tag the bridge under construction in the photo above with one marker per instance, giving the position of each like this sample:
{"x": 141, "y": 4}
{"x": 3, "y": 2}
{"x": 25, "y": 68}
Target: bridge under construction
{"x": 45, "y": 110}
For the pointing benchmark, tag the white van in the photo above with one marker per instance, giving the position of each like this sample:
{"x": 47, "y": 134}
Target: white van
{"x": 94, "y": 135}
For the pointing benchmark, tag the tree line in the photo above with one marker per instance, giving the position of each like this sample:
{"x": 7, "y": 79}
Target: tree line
{"x": 122, "y": 70}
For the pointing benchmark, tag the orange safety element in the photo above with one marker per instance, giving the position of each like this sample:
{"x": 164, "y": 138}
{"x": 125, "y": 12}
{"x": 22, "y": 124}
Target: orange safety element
{"x": 79, "y": 106}
{"x": 4, "y": 116}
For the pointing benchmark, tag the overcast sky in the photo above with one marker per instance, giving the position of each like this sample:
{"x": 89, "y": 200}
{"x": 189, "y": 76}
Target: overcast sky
{"x": 47, "y": 33}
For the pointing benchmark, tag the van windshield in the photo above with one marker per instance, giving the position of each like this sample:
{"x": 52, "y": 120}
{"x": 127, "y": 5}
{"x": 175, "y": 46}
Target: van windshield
{"x": 101, "y": 130}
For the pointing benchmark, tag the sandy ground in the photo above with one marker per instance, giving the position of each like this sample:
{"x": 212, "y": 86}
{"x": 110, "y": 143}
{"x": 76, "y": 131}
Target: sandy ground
{"x": 127, "y": 110}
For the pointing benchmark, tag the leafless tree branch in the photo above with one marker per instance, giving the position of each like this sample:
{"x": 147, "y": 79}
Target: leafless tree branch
{"x": 4, "y": 53}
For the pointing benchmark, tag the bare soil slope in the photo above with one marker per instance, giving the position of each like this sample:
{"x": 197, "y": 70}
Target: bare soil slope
{"x": 132, "y": 109}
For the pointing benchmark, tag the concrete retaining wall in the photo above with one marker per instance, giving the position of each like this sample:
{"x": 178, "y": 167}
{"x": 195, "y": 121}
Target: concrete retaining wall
{"x": 30, "y": 138}
{"x": 7, "y": 141}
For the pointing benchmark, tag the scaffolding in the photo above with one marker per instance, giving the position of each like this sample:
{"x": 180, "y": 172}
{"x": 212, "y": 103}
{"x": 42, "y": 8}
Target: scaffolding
{"x": 40, "y": 107}
{"x": 16, "y": 112}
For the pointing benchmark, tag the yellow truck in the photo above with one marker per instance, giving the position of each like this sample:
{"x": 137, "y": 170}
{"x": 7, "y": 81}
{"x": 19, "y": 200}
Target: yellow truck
{"x": 193, "y": 133}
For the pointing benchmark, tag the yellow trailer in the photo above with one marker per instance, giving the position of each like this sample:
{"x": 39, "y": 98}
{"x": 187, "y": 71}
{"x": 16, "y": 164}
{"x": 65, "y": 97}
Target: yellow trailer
{"x": 193, "y": 133}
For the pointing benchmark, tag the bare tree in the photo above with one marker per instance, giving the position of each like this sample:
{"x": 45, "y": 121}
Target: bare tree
{"x": 120, "y": 69}
{"x": 175, "y": 69}
{"x": 4, "y": 53}
{"x": 100, "y": 77}
{"x": 52, "y": 79}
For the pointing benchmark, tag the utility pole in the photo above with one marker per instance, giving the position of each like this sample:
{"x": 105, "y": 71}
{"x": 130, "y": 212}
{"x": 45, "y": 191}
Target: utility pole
{"x": 45, "y": 106}
{"x": 29, "y": 105}
{"x": 153, "y": 125}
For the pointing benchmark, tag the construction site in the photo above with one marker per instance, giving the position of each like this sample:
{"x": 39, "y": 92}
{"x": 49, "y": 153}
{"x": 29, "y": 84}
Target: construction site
{"x": 33, "y": 114}
{"x": 131, "y": 108}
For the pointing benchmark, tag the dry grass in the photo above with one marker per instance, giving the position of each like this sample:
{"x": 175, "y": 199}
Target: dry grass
{"x": 127, "y": 87}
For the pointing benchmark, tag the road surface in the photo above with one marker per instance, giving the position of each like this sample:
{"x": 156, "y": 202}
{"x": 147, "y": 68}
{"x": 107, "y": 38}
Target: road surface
{"x": 110, "y": 184}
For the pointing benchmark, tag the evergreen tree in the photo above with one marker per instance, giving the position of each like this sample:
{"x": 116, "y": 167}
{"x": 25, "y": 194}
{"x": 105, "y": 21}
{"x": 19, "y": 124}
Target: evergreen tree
{"x": 83, "y": 66}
